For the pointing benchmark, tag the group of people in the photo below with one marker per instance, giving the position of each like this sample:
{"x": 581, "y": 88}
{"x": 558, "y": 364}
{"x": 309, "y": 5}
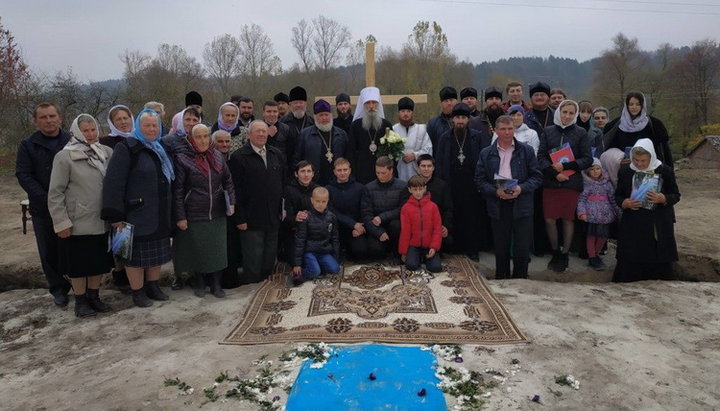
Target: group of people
{"x": 312, "y": 190}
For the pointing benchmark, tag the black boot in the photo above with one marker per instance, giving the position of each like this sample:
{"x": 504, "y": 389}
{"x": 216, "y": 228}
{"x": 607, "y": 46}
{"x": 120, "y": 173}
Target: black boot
{"x": 563, "y": 263}
{"x": 120, "y": 280}
{"x": 178, "y": 282}
{"x": 140, "y": 298}
{"x": 154, "y": 292}
{"x": 554, "y": 262}
{"x": 215, "y": 286}
{"x": 199, "y": 286}
{"x": 82, "y": 307}
{"x": 93, "y": 297}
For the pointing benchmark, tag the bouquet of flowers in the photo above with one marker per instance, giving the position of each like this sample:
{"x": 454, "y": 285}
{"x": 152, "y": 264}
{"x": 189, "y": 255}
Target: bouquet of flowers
{"x": 392, "y": 145}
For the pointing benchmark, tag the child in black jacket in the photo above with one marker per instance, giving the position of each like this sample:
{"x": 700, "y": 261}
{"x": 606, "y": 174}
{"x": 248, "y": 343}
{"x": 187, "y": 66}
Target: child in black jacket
{"x": 317, "y": 243}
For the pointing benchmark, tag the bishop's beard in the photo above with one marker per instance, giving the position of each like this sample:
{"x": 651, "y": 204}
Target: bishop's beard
{"x": 371, "y": 120}
{"x": 324, "y": 127}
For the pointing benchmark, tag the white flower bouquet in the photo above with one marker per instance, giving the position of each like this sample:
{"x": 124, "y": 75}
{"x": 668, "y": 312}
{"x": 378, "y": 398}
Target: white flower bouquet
{"x": 392, "y": 145}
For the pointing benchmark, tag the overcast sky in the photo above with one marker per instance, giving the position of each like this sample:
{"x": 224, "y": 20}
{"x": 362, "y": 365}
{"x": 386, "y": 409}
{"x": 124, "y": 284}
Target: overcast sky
{"x": 89, "y": 36}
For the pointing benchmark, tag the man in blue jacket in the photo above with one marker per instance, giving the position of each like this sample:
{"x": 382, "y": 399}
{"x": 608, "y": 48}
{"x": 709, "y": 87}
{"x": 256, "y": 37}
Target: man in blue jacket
{"x": 510, "y": 198}
{"x": 32, "y": 168}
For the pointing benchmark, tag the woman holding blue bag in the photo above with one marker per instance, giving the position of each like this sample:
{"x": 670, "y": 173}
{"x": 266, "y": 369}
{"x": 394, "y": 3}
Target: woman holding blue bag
{"x": 136, "y": 190}
{"x": 646, "y": 191}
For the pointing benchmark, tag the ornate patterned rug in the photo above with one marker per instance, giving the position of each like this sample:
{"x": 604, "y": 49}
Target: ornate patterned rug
{"x": 379, "y": 303}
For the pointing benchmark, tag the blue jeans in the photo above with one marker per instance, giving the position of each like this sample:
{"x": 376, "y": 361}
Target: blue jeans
{"x": 315, "y": 264}
{"x": 416, "y": 255}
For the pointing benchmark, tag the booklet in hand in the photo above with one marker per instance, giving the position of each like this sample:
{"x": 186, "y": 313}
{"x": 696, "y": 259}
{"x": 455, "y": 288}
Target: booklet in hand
{"x": 120, "y": 241}
{"x": 563, "y": 154}
{"x": 508, "y": 184}
{"x": 642, "y": 184}
{"x": 228, "y": 204}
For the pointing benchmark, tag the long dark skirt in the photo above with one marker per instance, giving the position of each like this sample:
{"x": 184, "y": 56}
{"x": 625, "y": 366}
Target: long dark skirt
{"x": 202, "y": 248}
{"x": 84, "y": 255}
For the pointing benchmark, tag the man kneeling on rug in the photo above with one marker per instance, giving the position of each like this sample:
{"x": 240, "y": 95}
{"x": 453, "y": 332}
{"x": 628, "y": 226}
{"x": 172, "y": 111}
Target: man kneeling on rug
{"x": 317, "y": 242}
{"x": 420, "y": 228}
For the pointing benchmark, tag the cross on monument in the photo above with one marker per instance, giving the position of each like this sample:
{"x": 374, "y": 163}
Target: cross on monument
{"x": 370, "y": 82}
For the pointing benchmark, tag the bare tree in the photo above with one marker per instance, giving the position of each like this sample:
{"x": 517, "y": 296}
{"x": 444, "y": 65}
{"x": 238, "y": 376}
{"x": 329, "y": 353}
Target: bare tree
{"x": 16, "y": 83}
{"x": 257, "y": 53}
{"x": 222, "y": 60}
{"x": 302, "y": 42}
{"x": 330, "y": 38}
{"x": 700, "y": 70}
{"x": 619, "y": 70}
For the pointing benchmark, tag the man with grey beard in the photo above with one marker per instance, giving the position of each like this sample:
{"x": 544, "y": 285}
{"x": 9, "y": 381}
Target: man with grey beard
{"x": 368, "y": 126}
{"x": 297, "y": 120}
{"x": 322, "y": 143}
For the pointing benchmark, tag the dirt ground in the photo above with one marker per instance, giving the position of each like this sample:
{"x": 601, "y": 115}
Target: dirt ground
{"x": 647, "y": 345}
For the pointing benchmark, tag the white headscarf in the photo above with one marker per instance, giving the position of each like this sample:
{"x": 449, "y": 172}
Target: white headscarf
{"x": 629, "y": 124}
{"x": 221, "y": 124}
{"x": 95, "y": 155}
{"x": 114, "y": 130}
{"x": 556, "y": 118}
{"x": 647, "y": 144}
{"x": 368, "y": 94}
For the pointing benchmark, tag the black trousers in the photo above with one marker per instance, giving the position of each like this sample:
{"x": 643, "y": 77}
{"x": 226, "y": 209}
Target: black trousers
{"x": 47, "y": 244}
{"x": 259, "y": 252}
{"x": 230, "y": 277}
{"x": 516, "y": 232}
{"x": 356, "y": 247}
{"x": 378, "y": 249}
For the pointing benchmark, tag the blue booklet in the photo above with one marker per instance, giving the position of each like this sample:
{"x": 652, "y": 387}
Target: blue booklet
{"x": 508, "y": 184}
{"x": 120, "y": 241}
{"x": 642, "y": 184}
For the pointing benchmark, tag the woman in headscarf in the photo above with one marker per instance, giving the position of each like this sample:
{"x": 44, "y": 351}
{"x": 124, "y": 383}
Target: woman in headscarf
{"x": 201, "y": 188}
{"x": 646, "y": 244}
{"x": 75, "y": 201}
{"x": 228, "y": 119}
{"x": 563, "y": 181}
{"x": 634, "y": 124}
{"x": 177, "y": 139}
{"x": 121, "y": 121}
{"x": 137, "y": 190}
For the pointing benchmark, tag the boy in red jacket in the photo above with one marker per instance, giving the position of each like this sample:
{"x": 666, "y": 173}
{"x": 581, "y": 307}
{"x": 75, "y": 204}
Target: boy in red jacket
{"x": 420, "y": 228}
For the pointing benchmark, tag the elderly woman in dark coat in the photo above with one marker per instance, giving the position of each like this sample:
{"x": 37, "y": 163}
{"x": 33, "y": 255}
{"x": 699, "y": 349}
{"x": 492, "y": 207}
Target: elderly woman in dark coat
{"x": 74, "y": 202}
{"x": 646, "y": 244}
{"x": 202, "y": 184}
{"x": 137, "y": 190}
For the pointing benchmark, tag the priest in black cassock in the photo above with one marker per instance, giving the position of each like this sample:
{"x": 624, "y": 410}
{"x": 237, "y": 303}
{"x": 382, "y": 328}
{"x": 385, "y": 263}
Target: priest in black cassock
{"x": 368, "y": 126}
{"x": 297, "y": 119}
{"x": 457, "y": 155}
{"x": 344, "y": 117}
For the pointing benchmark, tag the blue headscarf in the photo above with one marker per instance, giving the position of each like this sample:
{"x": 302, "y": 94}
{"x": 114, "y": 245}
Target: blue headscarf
{"x": 167, "y": 165}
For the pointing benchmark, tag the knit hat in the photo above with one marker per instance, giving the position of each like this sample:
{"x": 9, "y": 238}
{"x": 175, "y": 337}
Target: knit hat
{"x": 281, "y": 97}
{"x": 493, "y": 92}
{"x": 193, "y": 98}
{"x": 516, "y": 108}
{"x": 468, "y": 92}
{"x": 539, "y": 87}
{"x": 406, "y": 103}
{"x": 461, "y": 109}
{"x": 342, "y": 97}
{"x": 235, "y": 98}
{"x": 321, "y": 106}
{"x": 448, "y": 93}
{"x": 298, "y": 93}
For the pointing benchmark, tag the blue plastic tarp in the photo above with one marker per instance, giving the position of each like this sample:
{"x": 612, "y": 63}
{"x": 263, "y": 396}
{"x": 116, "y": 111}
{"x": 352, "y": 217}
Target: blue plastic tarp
{"x": 344, "y": 382}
